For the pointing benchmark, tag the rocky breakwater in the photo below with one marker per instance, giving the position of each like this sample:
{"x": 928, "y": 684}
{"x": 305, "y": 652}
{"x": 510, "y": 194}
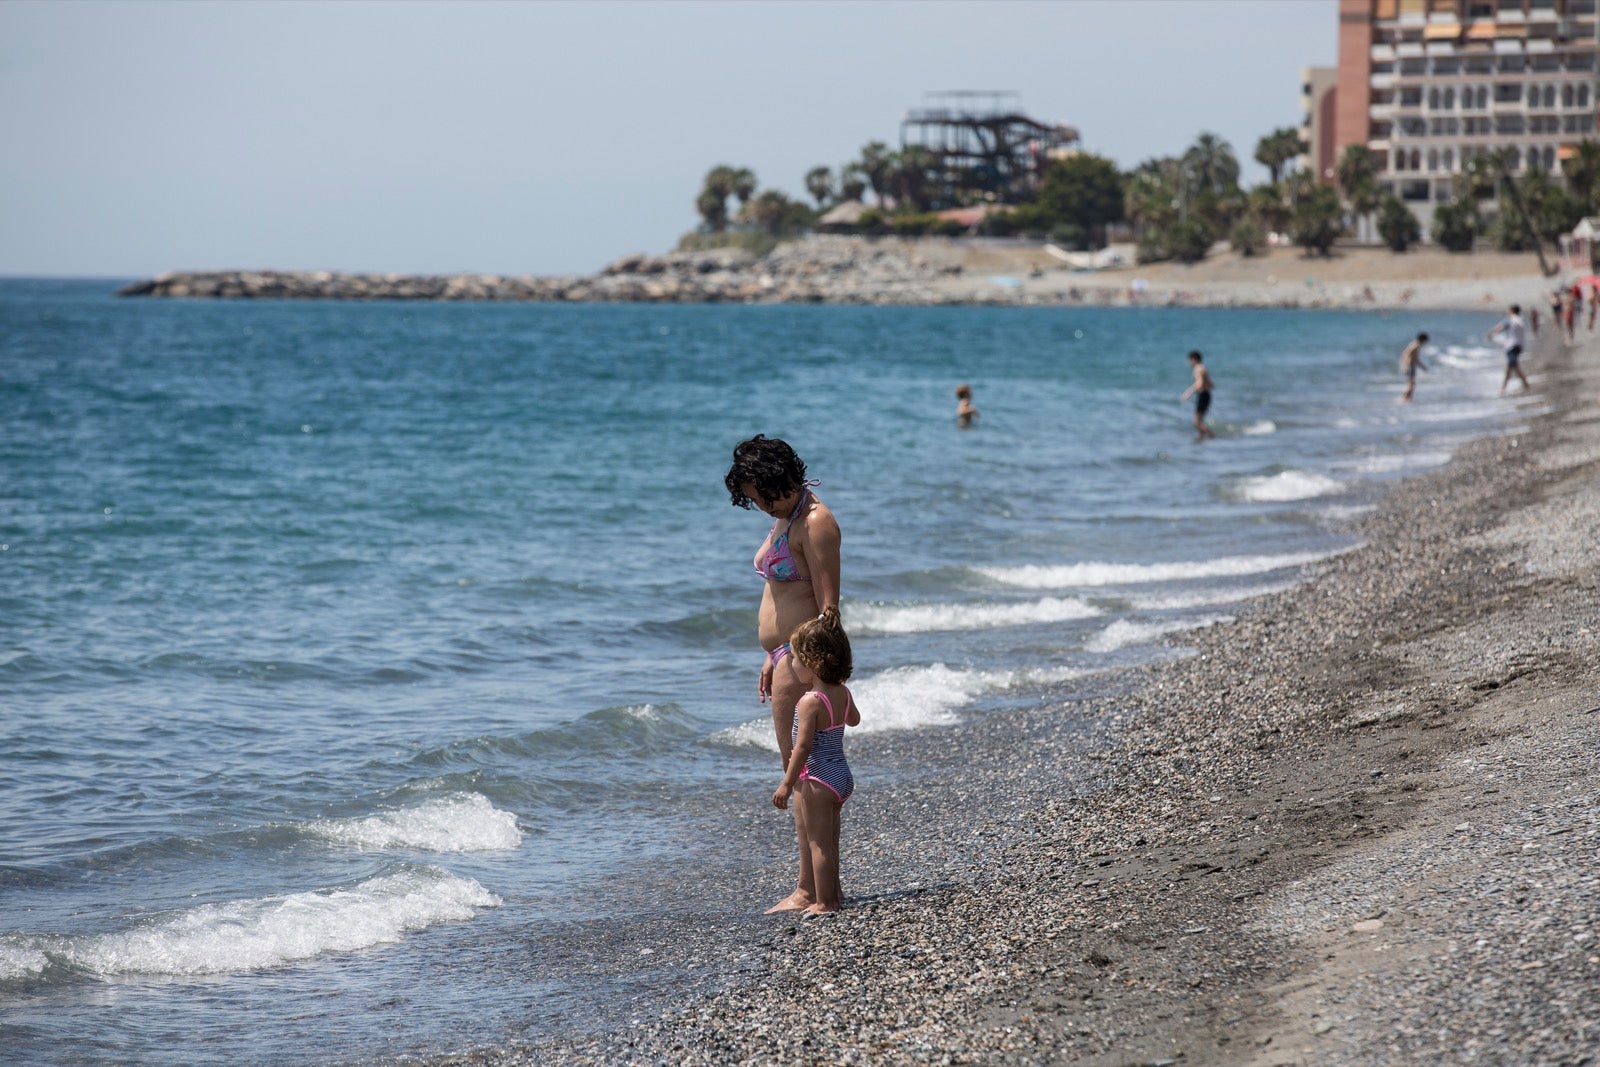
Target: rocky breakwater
{"x": 813, "y": 270}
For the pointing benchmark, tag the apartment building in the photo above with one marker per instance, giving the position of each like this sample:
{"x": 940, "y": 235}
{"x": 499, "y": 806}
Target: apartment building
{"x": 1317, "y": 98}
{"x": 1429, "y": 84}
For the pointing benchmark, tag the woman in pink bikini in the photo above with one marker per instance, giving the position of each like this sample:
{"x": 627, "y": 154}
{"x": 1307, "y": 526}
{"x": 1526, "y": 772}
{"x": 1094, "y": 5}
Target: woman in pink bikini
{"x": 798, "y": 562}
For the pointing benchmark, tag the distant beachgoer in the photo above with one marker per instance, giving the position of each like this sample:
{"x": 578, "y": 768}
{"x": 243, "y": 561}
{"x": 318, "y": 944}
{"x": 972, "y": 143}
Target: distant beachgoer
{"x": 1510, "y": 332}
{"x": 1574, "y": 310}
{"x": 965, "y": 412}
{"x": 1533, "y": 320}
{"x": 1569, "y": 315}
{"x": 1594, "y": 305}
{"x": 1410, "y": 363}
{"x": 817, "y": 774}
{"x": 1201, "y": 391}
{"x": 1555, "y": 309}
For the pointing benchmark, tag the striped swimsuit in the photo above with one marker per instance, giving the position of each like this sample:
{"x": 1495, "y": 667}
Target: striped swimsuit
{"x": 826, "y": 764}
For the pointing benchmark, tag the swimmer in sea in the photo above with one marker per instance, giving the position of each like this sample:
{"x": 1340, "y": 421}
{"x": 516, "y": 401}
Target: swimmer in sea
{"x": 1201, "y": 391}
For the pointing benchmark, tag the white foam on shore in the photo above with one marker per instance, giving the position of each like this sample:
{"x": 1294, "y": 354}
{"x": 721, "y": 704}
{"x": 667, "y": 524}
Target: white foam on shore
{"x": 253, "y": 934}
{"x": 1260, "y": 428}
{"x": 1286, "y": 486}
{"x": 1201, "y": 598}
{"x": 1125, "y": 632}
{"x": 928, "y": 618}
{"x": 908, "y": 698}
{"x": 461, "y": 822}
{"x": 1075, "y": 575}
{"x": 1383, "y": 464}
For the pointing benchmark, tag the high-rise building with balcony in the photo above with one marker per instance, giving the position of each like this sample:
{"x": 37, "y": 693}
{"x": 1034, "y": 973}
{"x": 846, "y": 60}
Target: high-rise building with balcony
{"x": 1429, "y": 84}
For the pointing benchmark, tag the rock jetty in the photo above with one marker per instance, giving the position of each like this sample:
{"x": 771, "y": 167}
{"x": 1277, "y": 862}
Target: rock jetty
{"x": 815, "y": 270}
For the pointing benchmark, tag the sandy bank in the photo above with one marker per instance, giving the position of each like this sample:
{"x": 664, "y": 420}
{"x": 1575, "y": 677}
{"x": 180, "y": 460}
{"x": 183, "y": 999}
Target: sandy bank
{"x": 1359, "y": 827}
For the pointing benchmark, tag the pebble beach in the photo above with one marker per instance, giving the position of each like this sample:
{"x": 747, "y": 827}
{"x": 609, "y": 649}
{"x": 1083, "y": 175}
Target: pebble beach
{"x": 1357, "y": 825}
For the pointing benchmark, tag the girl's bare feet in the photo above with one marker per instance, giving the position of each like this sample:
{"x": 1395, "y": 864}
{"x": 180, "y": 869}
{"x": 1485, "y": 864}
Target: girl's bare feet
{"x": 818, "y": 909}
{"x": 796, "y": 901}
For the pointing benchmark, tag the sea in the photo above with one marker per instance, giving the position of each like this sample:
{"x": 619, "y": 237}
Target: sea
{"x": 368, "y": 669}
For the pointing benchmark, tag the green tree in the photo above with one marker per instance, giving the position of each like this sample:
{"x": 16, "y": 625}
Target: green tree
{"x": 1267, "y": 204}
{"x": 1210, "y": 164}
{"x": 1151, "y": 194}
{"x": 1455, "y": 223}
{"x": 1085, "y": 191}
{"x": 1279, "y": 148}
{"x": 1190, "y": 239}
{"x": 743, "y": 184}
{"x": 877, "y": 165}
{"x": 1247, "y": 236}
{"x": 1316, "y": 222}
{"x": 1357, "y": 171}
{"x": 1397, "y": 226}
{"x": 819, "y": 183}
{"x": 1582, "y": 172}
{"x": 775, "y": 214}
{"x": 910, "y": 176}
{"x": 712, "y": 203}
{"x": 852, "y": 183}
{"x": 1493, "y": 174}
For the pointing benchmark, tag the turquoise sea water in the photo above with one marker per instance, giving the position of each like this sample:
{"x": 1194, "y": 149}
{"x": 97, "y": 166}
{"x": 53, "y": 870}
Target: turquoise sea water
{"x": 351, "y": 653}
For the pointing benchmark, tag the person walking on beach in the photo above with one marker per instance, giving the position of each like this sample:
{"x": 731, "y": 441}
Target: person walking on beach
{"x": 1201, "y": 391}
{"x": 965, "y": 412}
{"x": 1511, "y": 334}
{"x": 817, "y": 775}
{"x": 799, "y": 561}
{"x": 1410, "y": 363}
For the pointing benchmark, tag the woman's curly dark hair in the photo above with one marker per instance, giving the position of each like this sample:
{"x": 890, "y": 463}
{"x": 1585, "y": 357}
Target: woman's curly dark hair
{"x": 769, "y": 465}
{"x": 823, "y": 646}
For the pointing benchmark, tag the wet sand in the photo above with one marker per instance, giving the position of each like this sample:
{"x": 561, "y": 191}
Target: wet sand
{"x": 1358, "y": 826}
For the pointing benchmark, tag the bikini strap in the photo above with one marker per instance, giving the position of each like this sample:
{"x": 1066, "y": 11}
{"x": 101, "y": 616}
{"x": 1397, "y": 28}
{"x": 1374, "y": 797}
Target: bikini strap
{"x": 820, "y": 695}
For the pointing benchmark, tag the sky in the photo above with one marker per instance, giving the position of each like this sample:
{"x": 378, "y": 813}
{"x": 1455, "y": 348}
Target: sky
{"x": 141, "y": 136}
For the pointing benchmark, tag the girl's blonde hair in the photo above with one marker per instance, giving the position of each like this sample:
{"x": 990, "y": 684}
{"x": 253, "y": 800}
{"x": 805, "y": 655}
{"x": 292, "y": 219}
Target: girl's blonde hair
{"x": 823, "y": 646}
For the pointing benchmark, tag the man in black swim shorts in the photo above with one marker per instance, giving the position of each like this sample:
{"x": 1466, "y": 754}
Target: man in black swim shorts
{"x": 1511, "y": 333}
{"x": 1201, "y": 391}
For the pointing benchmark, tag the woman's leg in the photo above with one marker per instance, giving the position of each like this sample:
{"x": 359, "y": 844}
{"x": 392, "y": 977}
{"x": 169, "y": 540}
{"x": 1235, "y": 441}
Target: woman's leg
{"x": 822, "y": 830}
{"x": 787, "y": 689}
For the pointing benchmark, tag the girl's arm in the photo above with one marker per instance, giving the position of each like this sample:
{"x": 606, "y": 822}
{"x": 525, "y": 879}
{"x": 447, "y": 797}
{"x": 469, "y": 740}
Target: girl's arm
{"x": 806, "y": 715}
{"x": 854, "y": 717}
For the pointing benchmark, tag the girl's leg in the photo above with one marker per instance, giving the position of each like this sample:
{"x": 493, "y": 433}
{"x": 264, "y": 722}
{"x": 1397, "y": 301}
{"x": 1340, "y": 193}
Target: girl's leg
{"x": 822, "y": 810}
{"x": 805, "y": 893}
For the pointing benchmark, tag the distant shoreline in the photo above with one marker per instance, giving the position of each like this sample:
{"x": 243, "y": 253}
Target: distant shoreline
{"x": 931, "y": 272}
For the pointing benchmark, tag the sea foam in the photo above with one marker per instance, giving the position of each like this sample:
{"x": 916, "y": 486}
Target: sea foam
{"x": 1125, "y": 632}
{"x": 926, "y": 618}
{"x": 1285, "y": 486}
{"x": 265, "y": 932}
{"x": 906, "y": 698}
{"x": 1073, "y": 575}
{"x": 462, "y": 822}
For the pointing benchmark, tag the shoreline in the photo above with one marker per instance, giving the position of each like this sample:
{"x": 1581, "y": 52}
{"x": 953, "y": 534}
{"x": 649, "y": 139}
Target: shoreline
{"x": 1352, "y": 828}
{"x": 932, "y": 272}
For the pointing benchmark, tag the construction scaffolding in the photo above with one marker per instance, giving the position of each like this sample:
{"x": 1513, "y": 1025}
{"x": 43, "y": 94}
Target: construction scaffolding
{"x": 981, "y": 146}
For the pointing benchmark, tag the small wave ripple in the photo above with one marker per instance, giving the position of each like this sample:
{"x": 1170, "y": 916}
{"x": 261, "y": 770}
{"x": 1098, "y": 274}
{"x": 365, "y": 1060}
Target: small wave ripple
{"x": 1075, "y": 575}
{"x": 464, "y": 822}
{"x": 927, "y": 618}
{"x": 253, "y": 934}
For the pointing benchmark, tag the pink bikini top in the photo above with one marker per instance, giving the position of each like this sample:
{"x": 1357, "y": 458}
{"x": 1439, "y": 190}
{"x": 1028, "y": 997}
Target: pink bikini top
{"x": 777, "y": 563}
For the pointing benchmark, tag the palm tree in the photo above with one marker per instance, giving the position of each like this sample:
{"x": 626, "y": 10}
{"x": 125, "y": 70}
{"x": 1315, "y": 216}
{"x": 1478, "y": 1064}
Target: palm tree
{"x": 1357, "y": 171}
{"x": 1277, "y": 149}
{"x": 819, "y": 183}
{"x": 743, "y": 182}
{"x": 876, "y": 167}
{"x": 909, "y": 174}
{"x": 1582, "y": 172}
{"x": 1151, "y": 196}
{"x": 1494, "y": 173}
{"x": 1210, "y": 164}
{"x": 852, "y": 182}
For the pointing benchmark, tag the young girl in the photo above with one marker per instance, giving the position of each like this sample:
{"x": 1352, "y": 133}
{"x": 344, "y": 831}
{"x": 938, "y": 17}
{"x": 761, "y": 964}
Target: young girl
{"x": 817, "y": 775}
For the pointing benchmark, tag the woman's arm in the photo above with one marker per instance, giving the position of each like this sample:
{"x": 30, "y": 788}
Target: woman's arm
{"x": 822, "y": 557}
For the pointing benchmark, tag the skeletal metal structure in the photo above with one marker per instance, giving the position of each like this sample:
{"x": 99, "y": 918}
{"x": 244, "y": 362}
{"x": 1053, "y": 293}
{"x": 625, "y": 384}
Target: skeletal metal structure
{"x": 981, "y": 146}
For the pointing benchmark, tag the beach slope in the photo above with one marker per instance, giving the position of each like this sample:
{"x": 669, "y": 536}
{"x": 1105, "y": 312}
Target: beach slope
{"x": 1360, "y": 826}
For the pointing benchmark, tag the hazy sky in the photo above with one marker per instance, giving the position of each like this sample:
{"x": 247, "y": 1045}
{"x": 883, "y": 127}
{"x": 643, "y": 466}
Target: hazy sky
{"x": 138, "y": 137}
